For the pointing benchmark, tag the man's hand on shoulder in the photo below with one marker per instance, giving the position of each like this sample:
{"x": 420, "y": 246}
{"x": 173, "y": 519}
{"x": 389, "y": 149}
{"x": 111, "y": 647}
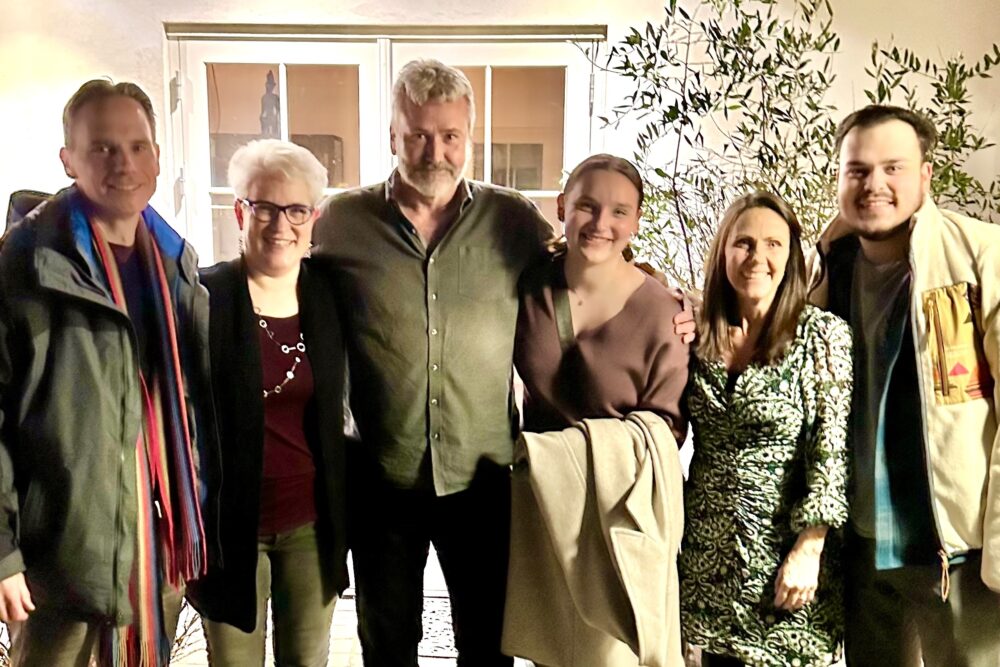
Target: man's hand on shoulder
{"x": 685, "y": 322}
{"x": 15, "y": 599}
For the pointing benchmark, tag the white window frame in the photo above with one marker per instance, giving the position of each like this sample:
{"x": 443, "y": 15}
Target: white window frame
{"x": 378, "y": 52}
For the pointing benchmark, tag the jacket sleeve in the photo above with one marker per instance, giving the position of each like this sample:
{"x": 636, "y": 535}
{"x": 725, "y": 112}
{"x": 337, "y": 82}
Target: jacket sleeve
{"x": 990, "y": 293}
{"x": 11, "y": 561}
{"x": 827, "y": 398}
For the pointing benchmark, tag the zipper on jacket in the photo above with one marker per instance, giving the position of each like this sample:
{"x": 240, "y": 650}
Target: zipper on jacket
{"x": 116, "y": 542}
{"x": 116, "y": 545}
{"x": 130, "y": 335}
{"x": 939, "y": 340}
{"x": 922, "y": 391}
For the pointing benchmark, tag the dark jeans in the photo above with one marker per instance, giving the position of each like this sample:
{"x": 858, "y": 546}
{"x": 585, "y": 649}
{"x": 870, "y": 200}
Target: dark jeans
{"x": 895, "y": 617}
{"x": 391, "y": 534}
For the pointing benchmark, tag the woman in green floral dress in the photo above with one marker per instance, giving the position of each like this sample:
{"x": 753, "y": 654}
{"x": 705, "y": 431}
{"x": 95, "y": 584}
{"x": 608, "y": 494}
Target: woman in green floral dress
{"x": 769, "y": 399}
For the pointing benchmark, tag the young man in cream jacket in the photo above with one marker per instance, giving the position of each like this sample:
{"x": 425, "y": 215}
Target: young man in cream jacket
{"x": 921, "y": 290}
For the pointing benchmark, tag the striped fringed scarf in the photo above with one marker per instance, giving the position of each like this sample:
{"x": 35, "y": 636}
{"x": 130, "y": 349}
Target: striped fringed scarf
{"x": 170, "y": 538}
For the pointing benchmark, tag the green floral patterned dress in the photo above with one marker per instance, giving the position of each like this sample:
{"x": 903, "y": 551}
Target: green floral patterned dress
{"x": 770, "y": 459}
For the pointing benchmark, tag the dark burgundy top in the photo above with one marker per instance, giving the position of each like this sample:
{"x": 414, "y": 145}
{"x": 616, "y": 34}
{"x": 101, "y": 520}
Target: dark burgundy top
{"x": 287, "y": 496}
{"x": 136, "y": 300}
{"x": 634, "y": 361}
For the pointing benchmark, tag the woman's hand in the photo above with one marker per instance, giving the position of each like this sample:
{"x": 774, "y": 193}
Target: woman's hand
{"x": 795, "y": 585}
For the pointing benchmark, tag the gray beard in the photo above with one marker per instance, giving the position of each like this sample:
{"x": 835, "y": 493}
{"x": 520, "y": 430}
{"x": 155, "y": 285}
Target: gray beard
{"x": 417, "y": 179}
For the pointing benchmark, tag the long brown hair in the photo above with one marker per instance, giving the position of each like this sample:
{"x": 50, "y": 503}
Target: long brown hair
{"x": 720, "y": 308}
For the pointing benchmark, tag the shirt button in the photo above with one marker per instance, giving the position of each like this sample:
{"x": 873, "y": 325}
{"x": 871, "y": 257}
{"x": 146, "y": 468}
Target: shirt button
{"x": 434, "y": 296}
{"x": 434, "y": 332}
{"x": 437, "y": 436}
{"x": 434, "y": 367}
{"x": 430, "y": 261}
{"x": 434, "y": 401}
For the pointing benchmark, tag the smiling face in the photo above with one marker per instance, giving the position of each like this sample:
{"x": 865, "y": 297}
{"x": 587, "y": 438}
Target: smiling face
{"x": 432, "y": 143}
{"x": 601, "y": 212}
{"x": 756, "y": 254}
{"x": 883, "y": 179}
{"x": 275, "y": 248}
{"x": 112, "y": 157}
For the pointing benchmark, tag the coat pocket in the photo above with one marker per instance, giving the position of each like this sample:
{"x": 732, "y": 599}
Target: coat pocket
{"x": 955, "y": 342}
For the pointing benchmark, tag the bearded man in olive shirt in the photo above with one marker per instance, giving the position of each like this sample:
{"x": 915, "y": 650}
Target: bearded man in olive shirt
{"x": 427, "y": 265}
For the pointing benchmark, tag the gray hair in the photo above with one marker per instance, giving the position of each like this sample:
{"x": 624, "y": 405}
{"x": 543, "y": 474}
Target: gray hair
{"x": 427, "y": 79}
{"x": 272, "y": 157}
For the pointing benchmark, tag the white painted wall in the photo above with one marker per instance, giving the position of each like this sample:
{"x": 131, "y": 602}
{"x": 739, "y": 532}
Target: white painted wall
{"x": 49, "y": 47}
{"x": 931, "y": 28}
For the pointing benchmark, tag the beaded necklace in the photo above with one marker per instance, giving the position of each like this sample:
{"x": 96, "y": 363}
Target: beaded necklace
{"x": 298, "y": 348}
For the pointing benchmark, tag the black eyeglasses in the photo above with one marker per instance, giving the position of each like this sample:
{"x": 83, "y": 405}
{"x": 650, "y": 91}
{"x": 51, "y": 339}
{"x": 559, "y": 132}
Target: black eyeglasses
{"x": 265, "y": 211}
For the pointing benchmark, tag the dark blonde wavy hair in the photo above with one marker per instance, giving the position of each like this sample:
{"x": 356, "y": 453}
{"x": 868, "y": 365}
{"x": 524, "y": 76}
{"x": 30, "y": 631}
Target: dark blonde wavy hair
{"x": 720, "y": 309}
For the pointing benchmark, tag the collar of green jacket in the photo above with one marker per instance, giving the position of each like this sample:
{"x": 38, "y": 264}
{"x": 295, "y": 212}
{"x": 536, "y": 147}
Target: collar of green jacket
{"x": 64, "y": 258}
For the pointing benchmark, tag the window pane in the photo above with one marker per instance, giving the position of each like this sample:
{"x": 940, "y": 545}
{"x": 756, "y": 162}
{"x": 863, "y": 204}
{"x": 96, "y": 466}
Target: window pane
{"x": 225, "y": 230}
{"x": 242, "y": 105}
{"x": 323, "y": 116}
{"x": 528, "y": 138}
{"x": 477, "y": 77}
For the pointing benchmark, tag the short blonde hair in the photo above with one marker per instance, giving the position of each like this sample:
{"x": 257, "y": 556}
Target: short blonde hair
{"x": 426, "y": 80}
{"x": 272, "y": 157}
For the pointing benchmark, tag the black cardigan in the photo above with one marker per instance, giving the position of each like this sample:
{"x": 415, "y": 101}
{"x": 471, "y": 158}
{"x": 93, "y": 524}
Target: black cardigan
{"x": 228, "y": 594}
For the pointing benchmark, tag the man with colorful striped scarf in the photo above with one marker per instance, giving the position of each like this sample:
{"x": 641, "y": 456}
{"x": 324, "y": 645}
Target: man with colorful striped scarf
{"x": 107, "y": 437}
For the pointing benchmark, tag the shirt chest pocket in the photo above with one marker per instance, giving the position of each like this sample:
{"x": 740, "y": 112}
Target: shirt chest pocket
{"x": 956, "y": 344}
{"x": 485, "y": 274}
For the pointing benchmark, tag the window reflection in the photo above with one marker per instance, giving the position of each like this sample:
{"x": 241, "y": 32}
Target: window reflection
{"x": 243, "y": 104}
{"x": 323, "y": 116}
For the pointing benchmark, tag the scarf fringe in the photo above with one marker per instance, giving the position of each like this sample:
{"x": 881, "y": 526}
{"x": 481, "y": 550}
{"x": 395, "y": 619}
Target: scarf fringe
{"x": 121, "y": 648}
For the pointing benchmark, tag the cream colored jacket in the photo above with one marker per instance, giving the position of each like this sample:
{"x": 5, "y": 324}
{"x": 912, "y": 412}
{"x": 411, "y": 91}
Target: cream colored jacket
{"x": 955, "y": 315}
{"x": 597, "y": 519}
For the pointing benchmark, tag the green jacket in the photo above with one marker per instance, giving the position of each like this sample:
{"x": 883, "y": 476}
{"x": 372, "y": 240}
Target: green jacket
{"x": 70, "y": 411}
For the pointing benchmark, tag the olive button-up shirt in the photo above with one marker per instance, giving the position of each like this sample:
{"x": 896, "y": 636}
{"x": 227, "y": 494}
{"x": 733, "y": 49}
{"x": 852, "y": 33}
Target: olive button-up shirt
{"x": 430, "y": 335}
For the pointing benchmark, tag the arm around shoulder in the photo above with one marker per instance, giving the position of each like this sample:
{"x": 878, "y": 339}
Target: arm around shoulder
{"x": 668, "y": 372}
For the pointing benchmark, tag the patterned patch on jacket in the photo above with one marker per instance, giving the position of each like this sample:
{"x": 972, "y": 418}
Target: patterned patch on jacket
{"x": 955, "y": 340}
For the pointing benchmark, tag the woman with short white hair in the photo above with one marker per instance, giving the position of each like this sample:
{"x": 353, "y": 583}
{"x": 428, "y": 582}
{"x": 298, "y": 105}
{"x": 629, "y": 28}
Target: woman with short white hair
{"x": 277, "y": 369}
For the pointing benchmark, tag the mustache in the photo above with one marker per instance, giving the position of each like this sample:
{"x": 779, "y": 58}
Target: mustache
{"x": 434, "y": 167}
